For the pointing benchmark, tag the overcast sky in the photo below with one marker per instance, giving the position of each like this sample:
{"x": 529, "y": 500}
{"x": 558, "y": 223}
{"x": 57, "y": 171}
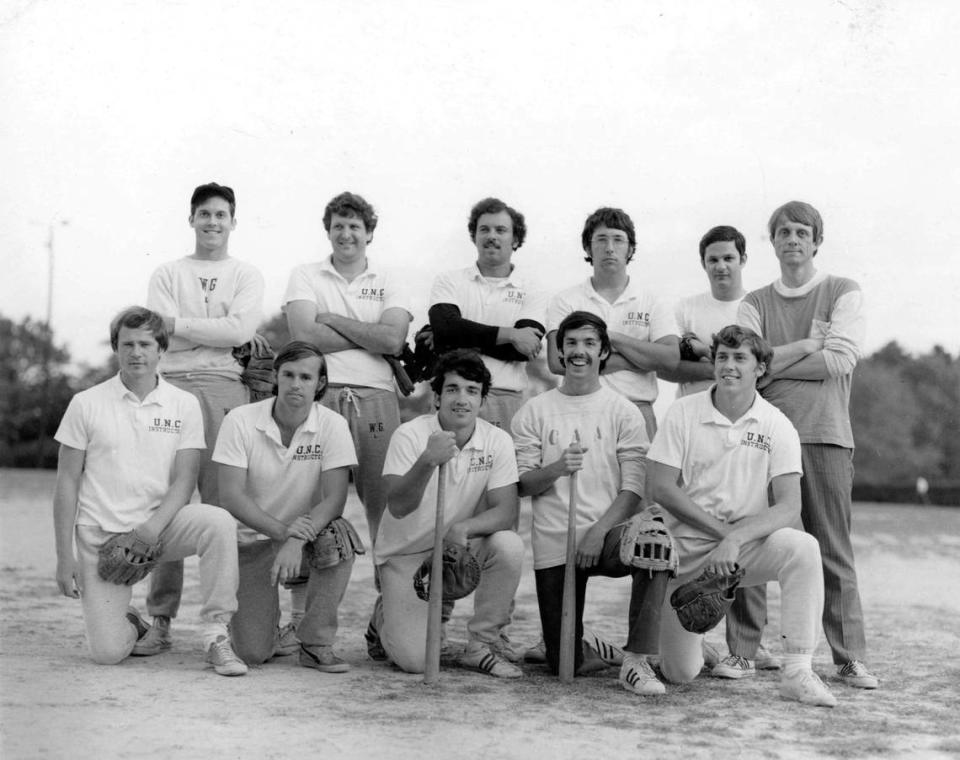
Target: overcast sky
{"x": 686, "y": 114}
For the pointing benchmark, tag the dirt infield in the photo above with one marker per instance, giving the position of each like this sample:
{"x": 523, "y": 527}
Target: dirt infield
{"x": 57, "y": 704}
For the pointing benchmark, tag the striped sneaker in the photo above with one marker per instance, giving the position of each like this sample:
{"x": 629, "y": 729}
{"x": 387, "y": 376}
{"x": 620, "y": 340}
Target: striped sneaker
{"x": 637, "y": 676}
{"x": 735, "y": 667}
{"x": 484, "y": 657}
{"x": 608, "y": 652}
{"x": 855, "y": 673}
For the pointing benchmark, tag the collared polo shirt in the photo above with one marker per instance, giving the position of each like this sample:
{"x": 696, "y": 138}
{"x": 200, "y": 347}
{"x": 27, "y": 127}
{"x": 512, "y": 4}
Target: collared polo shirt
{"x": 635, "y": 313}
{"x": 726, "y": 466}
{"x": 130, "y": 449}
{"x": 364, "y": 299}
{"x": 484, "y": 463}
{"x": 498, "y": 302}
{"x": 284, "y": 481}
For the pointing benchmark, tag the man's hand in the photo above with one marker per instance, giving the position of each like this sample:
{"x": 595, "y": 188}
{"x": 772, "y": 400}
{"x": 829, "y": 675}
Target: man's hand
{"x": 68, "y": 576}
{"x": 571, "y": 460}
{"x": 590, "y": 548}
{"x": 457, "y": 534}
{"x": 301, "y": 528}
{"x": 441, "y": 447}
{"x": 260, "y": 345}
{"x": 148, "y": 532}
{"x": 527, "y": 340}
{"x": 289, "y": 559}
{"x": 723, "y": 559}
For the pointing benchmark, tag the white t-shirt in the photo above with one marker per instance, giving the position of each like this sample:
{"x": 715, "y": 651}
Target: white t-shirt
{"x": 130, "y": 449}
{"x": 364, "y": 299}
{"x": 217, "y": 305}
{"x": 635, "y": 313}
{"x": 497, "y": 302}
{"x": 726, "y": 466}
{"x": 484, "y": 463}
{"x": 614, "y": 433}
{"x": 704, "y": 315}
{"x": 283, "y": 480}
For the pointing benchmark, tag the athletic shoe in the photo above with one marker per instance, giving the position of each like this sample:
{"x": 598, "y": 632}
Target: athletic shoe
{"x": 637, "y": 676}
{"x": 733, "y": 666}
{"x": 375, "y": 650}
{"x": 507, "y": 650}
{"x": 323, "y": 659}
{"x": 855, "y": 674}
{"x": 485, "y": 658}
{"x": 138, "y": 622}
{"x": 287, "y": 641}
{"x": 711, "y": 656}
{"x": 608, "y": 652}
{"x": 224, "y": 660}
{"x": 807, "y": 688}
{"x": 765, "y": 660}
{"x": 156, "y": 640}
{"x": 537, "y": 654}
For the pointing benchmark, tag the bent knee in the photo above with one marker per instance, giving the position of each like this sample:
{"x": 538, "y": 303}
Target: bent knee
{"x": 408, "y": 659}
{"x": 680, "y": 672}
{"x": 104, "y": 654}
{"x": 507, "y": 546}
{"x": 797, "y": 544}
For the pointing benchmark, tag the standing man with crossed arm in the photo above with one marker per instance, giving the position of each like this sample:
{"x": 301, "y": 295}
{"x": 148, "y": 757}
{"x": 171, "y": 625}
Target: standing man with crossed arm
{"x": 210, "y": 302}
{"x": 493, "y": 307}
{"x": 815, "y": 323}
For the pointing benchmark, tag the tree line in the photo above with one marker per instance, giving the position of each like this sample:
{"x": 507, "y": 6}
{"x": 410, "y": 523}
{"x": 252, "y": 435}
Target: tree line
{"x": 905, "y": 409}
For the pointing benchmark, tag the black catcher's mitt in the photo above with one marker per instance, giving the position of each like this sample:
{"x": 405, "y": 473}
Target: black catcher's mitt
{"x": 258, "y": 373}
{"x": 125, "y": 559}
{"x": 461, "y": 573}
{"x": 701, "y": 603}
{"x": 646, "y": 543}
{"x": 334, "y": 544}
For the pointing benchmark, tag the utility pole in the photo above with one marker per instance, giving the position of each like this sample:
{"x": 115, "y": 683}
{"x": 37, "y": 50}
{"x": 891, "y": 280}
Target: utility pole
{"x": 48, "y": 345}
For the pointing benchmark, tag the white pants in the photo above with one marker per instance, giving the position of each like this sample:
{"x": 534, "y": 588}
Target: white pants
{"x": 788, "y": 556}
{"x": 209, "y": 532}
{"x": 404, "y": 627}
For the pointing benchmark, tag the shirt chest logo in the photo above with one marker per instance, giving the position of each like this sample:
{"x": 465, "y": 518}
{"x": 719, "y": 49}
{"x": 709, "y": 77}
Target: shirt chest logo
{"x": 208, "y": 285}
{"x": 636, "y": 319}
{"x": 480, "y": 463}
{"x": 513, "y": 296}
{"x": 762, "y": 441}
{"x": 371, "y": 294}
{"x": 308, "y": 452}
{"x": 164, "y": 425}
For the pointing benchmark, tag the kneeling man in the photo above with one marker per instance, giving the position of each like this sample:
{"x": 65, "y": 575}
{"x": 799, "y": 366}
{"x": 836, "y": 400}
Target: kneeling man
{"x": 284, "y": 469}
{"x": 129, "y": 455}
{"x": 476, "y": 460}
{"x": 710, "y": 466}
{"x": 586, "y": 428}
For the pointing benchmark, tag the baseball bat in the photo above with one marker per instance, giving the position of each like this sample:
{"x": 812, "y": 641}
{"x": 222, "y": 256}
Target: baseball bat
{"x": 568, "y": 612}
{"x": 431, "y": 664}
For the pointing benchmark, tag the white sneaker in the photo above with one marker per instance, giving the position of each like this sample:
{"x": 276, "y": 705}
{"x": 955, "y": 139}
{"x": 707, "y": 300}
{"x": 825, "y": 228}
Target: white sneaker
{"x": 766, "y": 660}
{"x": 608, "y": 652}
{"x": 806, "y": 688}
{"x": 537, "y": 653}
{"x": 637, "y": 676}
{"x": 855, "y": 674}
{"x": 224, "y": 660}
{"x": 733, "y": 666}
{"x": 484, "y": 657}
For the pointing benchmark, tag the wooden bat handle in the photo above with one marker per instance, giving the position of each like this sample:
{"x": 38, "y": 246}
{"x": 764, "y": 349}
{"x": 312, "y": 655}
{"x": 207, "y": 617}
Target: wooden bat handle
{"x": 431, "y": 665}
{"x": 568, "y": 614}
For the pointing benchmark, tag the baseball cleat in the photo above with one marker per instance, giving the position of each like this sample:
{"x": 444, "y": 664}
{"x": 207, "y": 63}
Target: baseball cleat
{"x": 157, "y": 639}
{"x": 484, "y": 658}
{"x": 224, "y": 660}
{"x": 855, "y": 674}
{"x": 637, "y": 676}
{"x": 610, "y": 653}
{"x": 733, "y": 666}
{"x": 323, "y": 659}
{"x": 806, "y": 688}
{"x": 766, "y": 660}
{"x": 287, "y": 641}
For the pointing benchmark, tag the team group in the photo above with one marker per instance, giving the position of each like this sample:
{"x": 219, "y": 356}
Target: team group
{"x": 751, "y": 467}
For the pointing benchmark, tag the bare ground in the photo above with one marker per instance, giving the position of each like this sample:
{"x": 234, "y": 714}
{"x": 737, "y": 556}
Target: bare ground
{"x": 55, "y": 703}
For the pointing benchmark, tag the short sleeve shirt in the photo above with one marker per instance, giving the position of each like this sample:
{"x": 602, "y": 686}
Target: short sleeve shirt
{"x": 130, "y": 447}
{"x": 283, "y": 480}
{"x": 486, "y": 462}
{"x": 635, "y": 313}
{"x": 364, "y": 299}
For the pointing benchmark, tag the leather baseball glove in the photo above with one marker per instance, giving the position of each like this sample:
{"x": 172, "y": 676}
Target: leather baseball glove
{"x": 461, "y": 573}
{"x": 338, "y": 542}
{"x": 701, "y": 603}
{"x": 646, "y": 543}
{"x": 125, "y": 559}
{"x": 258, "y": 373}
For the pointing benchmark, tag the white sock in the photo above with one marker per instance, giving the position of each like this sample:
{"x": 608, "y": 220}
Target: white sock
{"x": 794, "y": 664}
{"x": 298, "y": 603}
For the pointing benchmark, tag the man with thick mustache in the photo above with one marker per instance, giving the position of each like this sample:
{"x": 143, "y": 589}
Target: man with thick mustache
{"x": 586, "y": 428}
{"x": 493, "y": 307}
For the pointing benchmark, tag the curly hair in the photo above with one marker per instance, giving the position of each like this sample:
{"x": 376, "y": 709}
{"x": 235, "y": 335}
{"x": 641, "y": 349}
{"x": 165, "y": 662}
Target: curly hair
{"x": 495, "y": 206}
{"x": 350, "y": 204}
{"x": 465, "y": 362}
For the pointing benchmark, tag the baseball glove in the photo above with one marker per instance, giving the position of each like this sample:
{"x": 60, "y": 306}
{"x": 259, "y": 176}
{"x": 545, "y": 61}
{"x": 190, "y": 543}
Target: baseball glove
{"x": 701, "y": 603}
{"x": 646, "y": 543}
{"x": 258, "y": 373}
{"x": 687, "y": 351}
{"x": 404, "y": 382}
{"x": 334, "y": 544}
{"x": 461, "y": 573}
{"x": 125, "y": 559}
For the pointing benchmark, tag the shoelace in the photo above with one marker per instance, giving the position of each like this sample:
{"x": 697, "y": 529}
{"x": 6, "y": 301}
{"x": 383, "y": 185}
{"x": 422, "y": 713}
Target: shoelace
{"x": 740, "y": 662}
